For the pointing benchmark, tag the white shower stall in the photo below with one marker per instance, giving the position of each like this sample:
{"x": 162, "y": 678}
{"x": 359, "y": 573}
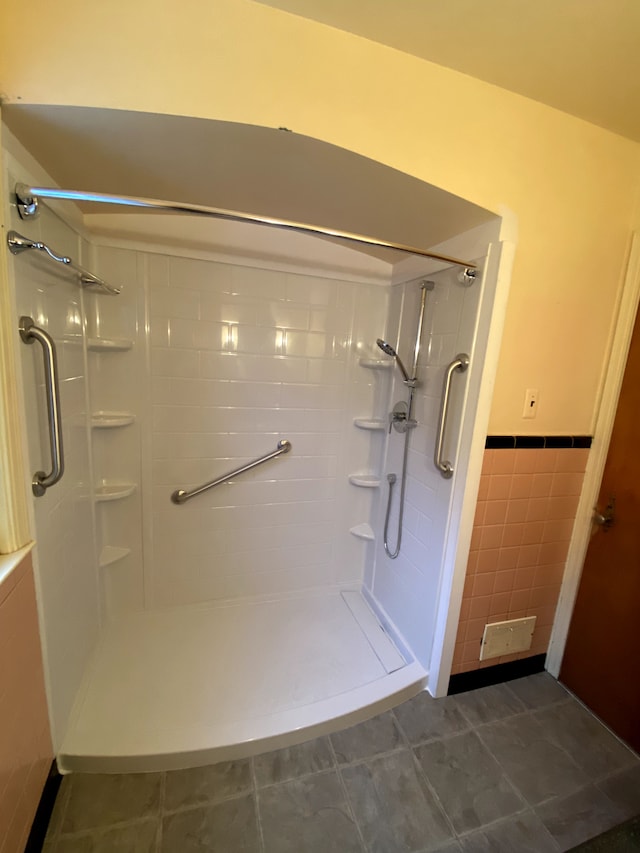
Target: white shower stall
{"x": 263, "y": 611}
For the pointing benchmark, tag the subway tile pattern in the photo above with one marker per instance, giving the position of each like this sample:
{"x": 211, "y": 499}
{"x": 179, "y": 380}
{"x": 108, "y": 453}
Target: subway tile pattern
{"x": 25, "y": 743}
{"x": 64, "y": 557}
{"x": 524, "y": 519}
{"x": 488, "y": 770}
{"x": 240, "y": 358}
{"x": 407, "y": 587}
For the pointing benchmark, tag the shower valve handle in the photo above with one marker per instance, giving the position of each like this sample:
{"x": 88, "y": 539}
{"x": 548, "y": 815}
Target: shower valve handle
{"x": 399, "y": 420}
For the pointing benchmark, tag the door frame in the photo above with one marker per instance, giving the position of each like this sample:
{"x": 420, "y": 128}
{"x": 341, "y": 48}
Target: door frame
{"x": 624, "y": 320}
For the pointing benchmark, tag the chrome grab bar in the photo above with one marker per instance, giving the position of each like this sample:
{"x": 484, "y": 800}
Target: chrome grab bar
{"x": 180, "y": 496}
{"x": 29, "y": 333}
{"x": 18, "y": 243}
{"x": 459, "y": 364}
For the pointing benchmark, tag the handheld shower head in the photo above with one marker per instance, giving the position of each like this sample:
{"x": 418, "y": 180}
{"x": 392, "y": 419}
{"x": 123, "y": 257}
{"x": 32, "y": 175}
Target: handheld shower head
{"x": 386, "y": 348}
{"x": 389, "y": 350}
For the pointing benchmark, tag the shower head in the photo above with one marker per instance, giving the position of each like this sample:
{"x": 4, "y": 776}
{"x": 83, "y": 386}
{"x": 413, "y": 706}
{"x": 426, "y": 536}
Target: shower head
{"x": 386, "y": 348}
{"x": 389, "y": 350}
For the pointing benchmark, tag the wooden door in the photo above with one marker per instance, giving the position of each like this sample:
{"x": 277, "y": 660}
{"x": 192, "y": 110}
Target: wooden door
{"x": 601, "y": 663}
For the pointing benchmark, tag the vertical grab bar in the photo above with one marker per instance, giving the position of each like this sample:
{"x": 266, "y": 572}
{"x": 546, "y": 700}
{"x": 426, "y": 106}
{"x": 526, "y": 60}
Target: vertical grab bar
{"x": 459, "y": 364}
{"x": 29, "y": 333}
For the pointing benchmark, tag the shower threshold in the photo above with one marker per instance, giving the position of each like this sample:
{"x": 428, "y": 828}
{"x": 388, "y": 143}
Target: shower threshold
{"x": 189, "y": 686}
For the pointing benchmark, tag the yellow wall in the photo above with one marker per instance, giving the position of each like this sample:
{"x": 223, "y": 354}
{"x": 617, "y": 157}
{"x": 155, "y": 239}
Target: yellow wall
{"x": 572, "y": 185}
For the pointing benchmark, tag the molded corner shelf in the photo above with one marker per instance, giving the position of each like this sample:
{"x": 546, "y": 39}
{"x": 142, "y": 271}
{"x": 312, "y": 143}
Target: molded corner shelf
{"x": 376, "y": 363}
{"x": 108, "y": 420}
{"x": 108, "y": 491}
{"x": 363, "y": 531}
{"x": 109, "y": 344}
{"x": 370, "y": 423}
{"x": 365, "y": 481}
{"x": 110, "y": 554}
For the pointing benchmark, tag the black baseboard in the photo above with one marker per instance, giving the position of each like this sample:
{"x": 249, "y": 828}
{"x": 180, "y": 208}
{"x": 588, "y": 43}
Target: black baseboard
{"x": 44, "y": 811}
{"x": 530, "y": 442}
{"x": 495, "y": 674}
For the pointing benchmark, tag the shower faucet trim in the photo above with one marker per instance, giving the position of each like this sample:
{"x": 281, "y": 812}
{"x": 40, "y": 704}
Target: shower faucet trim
{"x": 400, "y": 419}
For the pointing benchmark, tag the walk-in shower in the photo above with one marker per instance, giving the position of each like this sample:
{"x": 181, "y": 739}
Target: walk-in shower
{"x": 184, "y": 623}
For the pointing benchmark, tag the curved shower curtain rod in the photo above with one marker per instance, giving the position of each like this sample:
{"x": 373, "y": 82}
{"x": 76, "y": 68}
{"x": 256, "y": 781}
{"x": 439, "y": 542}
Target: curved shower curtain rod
{"x": 27, "y": 202}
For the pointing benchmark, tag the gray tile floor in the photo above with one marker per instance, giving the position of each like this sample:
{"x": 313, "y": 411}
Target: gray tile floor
{"x": 517, "y": 767}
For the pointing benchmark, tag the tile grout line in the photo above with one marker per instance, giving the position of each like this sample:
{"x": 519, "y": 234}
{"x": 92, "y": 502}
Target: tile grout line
{"x": 256, "y": 799}
{"x": 403, "y": 734}
{"x": 528, "y": 810}
{"x": 590, "y": 781}
{"x": 565, "y": 698}
{"x": 200, "y": 804}
{"x": 572, "y": 794}
{"x": 345, "y": 794}
{"x": 423, "y": 776}
{"x": 578, "y": 701}
{"x": 161, "y": 812}
{"x": 99, "y": 830}
{"x": 64, "y": 803}
{"x": 471, "y": 730}
{"x": 424, "y": 741}
{"x": 341, "y": 765}
{"x": 506, "y": 775}
{"x": 477, "y": 724}
{"x": 478, "y": 729}
{"x": 300, "y": 776}
{"x": 597, "y": 784}
{"x": 534, "y": 806}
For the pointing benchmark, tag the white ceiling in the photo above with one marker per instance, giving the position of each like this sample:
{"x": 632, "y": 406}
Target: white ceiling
{"x": 580, "y": 56}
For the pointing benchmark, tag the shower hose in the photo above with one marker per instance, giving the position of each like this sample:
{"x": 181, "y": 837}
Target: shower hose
{"x": 391, "y": 479}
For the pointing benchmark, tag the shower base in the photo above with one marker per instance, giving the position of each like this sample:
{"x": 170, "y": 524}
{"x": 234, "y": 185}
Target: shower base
{"x": 194, "y": 685}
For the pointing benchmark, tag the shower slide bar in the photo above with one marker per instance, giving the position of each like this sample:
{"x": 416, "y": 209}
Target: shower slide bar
{"x": 18, "y": 243}
{"x": 27, "y": 203}
{"x": 29, "y": 333}
{"x": 459, "y": 364}
{"x": 180, "y": 496}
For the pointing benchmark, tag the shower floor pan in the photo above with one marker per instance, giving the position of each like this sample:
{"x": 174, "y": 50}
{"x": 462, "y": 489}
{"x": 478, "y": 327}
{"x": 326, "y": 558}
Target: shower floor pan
{"x": 190, "y": 686}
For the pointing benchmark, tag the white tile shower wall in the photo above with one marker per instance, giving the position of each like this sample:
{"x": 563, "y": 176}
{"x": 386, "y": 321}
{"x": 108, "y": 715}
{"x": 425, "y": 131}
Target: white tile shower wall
{"x": 407, "y": 587}
{"x": 64, "y": 556}
{"x": 241, "y": 357}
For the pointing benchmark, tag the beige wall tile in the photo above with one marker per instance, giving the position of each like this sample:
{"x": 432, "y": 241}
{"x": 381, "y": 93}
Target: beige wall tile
{"x": 25, "y": 743}
{"x": 526, "y": 511}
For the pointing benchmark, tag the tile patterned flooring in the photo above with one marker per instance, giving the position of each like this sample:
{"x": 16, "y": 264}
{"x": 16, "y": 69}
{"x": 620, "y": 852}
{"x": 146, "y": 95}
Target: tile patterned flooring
{"x": 514, "y": 767}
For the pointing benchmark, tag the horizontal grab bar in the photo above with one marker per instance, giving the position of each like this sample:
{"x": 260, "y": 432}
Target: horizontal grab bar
{"x": 18, "y": 243}
{"x": 180, "y": 496}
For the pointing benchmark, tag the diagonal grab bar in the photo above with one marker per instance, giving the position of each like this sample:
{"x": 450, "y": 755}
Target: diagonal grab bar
{"x": 180, "y": 496}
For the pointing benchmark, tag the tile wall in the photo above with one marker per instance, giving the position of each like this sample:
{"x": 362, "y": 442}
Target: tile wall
{"x": 241, "y": 357}
{"x": 25, "y": 743}
{"x": 524, "y": 518}
{"x": 64, "y": 556}
{"x": 407, "y": 587}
